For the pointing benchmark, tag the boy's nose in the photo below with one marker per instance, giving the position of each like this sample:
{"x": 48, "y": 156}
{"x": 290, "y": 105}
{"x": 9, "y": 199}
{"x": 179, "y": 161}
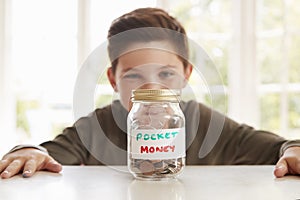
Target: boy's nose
{"x": 153, "y": 85}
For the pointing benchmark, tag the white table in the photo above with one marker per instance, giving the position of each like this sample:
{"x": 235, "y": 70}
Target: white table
{"x": 196, "y": 182}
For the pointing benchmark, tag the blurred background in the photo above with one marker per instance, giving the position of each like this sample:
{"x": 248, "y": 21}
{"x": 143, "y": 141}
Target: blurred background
{"x": 43, "y": 43}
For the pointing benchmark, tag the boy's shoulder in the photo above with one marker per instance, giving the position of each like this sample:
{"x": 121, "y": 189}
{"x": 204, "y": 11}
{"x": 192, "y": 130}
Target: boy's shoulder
{"x": 112, "y": 114}
{"x": 192, "y": 106}
{"x": 115, "y": 106}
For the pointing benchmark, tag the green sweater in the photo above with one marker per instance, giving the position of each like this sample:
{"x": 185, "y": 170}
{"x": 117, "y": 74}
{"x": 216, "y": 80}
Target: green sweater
{"x": 211, "y": 139}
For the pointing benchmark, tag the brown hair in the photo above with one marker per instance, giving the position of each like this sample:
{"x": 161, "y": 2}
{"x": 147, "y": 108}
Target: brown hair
{"x": 144, "y": 18}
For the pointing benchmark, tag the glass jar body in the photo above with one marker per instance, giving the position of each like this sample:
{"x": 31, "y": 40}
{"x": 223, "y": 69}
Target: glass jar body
{"x": 156, "y": 140}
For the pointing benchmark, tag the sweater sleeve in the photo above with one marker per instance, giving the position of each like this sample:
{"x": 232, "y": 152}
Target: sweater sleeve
{"x": 97, "y": 139}
{"x": 93, "y": 140}
{"x": 73, "y": 146}
{"x": 250, "y": 146}
{"x": 67, "y": 148}
{"x": 242, "y": 144}
{"x": 235, "y": 143}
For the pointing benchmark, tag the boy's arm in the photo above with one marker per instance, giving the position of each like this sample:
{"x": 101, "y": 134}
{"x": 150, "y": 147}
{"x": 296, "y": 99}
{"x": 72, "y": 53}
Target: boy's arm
{"x": 27, "y": 159}
{"x": 66, "y": 148}
{"x": 75, "y": 146}
{"x": 245, "y": 145}
{"x": 241, "y": 144}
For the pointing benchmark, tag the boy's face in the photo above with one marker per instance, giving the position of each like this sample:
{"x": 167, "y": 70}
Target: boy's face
{"x": 147, "y": 69}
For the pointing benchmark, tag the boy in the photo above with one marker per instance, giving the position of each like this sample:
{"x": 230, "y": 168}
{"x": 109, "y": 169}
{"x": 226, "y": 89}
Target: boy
{"x": 146, "y": 59}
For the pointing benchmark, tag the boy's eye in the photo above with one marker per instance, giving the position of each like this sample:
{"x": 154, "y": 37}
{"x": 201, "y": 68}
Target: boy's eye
{"x": 132, "y": 76}
{"x": 166, "y": 74}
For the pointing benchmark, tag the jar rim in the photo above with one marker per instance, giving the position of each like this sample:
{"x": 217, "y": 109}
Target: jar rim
{"x": 172, "y": 95}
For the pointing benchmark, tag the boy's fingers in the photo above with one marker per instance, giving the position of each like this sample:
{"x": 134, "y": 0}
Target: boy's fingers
{"x": 53, "y": 166}
{"x": 13, "y": 168}
{"x": 294, "y": 165}
{"x": 297, "y": 167}
{"x": 281, "y": 168}
{"x": 29, "y": 168}
{"x": 3, "y": 164}
{"x": 48, "y": 164}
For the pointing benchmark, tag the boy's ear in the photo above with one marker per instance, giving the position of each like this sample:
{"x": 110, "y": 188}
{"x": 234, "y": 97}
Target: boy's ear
{"x": 112, "y": 79}
{"x": 187, "y": 73}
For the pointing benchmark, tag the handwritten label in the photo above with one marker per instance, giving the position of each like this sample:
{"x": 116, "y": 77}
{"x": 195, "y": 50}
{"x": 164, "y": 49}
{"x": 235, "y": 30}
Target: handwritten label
{"x": 158, "y": 144}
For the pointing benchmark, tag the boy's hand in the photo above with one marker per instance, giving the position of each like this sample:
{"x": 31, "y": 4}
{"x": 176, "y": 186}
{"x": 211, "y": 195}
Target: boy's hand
{"x": 289, "y": 163}
{"x": 27, "y": 161}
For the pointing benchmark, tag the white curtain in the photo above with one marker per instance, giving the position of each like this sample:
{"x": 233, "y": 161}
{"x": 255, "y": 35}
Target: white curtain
{"x": 7, "y": 101}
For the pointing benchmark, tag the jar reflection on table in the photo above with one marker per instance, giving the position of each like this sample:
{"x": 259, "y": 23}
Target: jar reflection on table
{"x": 172, "y": 189}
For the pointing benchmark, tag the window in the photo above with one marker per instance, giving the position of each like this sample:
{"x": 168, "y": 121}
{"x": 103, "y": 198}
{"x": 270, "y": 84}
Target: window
{"x": 278, "y": 40}
{"x": 45, "y": 45}
{"x": 208, "y": 23}
{"x": 254, "y": 45}
{"x": 44, "y": 50}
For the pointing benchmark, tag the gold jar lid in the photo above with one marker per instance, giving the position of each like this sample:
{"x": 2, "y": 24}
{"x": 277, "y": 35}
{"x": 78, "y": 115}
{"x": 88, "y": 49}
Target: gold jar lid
{"x": 170, "y": 95}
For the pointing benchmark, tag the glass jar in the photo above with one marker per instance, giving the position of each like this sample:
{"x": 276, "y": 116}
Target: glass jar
{"x": 156, "y": 134}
